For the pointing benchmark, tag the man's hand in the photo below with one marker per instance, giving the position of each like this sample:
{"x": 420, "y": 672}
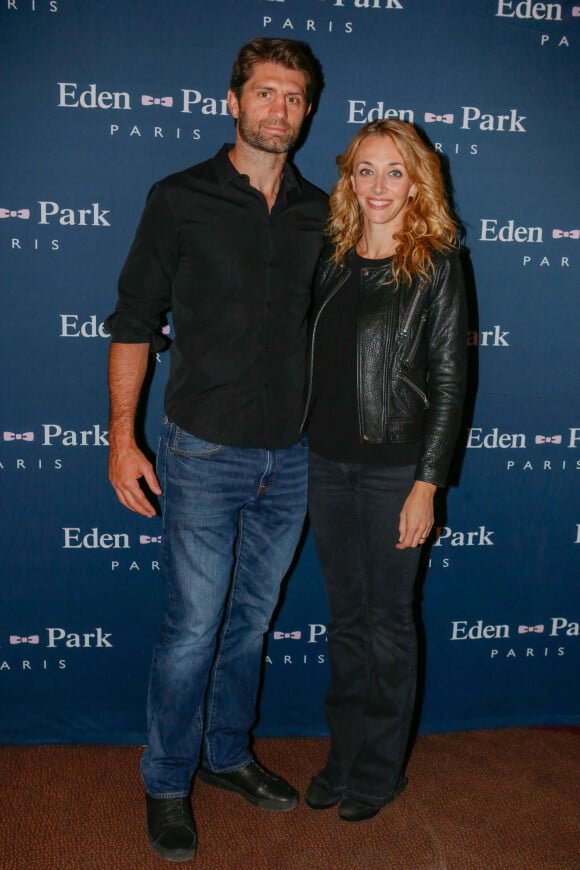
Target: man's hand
{"x": 416, "y": 518}
{"x": 127, "y": 467}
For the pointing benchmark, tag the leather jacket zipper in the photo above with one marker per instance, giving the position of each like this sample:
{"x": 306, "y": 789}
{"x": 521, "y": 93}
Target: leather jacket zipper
{"x": 416, "y": 389}
{"x": 413, "y": 349}
{"x": 342, "y": 280}
{"x": 412, "y": 309}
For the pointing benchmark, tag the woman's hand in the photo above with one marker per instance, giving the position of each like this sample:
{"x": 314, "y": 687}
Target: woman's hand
{"x": 416, "y": 518}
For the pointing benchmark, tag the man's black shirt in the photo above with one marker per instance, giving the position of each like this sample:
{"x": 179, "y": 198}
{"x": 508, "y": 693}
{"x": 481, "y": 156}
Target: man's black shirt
{"x": 237, "y": 279}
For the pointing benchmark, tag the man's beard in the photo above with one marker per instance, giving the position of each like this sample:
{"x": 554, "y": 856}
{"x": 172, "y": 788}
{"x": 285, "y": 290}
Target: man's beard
{"x": 252, "y": 134}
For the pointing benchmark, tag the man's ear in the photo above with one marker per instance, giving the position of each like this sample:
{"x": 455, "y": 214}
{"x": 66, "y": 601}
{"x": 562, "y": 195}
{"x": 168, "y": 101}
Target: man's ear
{"x": 233, "y": 104}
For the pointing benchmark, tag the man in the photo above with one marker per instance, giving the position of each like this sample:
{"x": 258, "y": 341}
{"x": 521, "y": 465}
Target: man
{"x": 230, "y": 246}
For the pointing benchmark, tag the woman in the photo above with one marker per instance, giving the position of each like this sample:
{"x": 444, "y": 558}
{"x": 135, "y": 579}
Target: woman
{"x": 384, "y": 408}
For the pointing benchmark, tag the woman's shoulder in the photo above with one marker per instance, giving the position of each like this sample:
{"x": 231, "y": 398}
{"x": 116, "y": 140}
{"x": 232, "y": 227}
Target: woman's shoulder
{"x": 447, "y": 254}
{"x": 446, "y": 263}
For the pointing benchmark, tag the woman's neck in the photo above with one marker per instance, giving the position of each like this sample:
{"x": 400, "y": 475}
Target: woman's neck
{"x": 376, "y": 245}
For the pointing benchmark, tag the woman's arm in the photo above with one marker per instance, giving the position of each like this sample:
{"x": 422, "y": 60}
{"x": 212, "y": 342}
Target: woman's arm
{"x": 447, "y": 370}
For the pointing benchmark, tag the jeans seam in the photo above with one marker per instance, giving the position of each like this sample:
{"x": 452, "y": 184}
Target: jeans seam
{"x": 215, "y": 671}
{"x": 214, "y": 447}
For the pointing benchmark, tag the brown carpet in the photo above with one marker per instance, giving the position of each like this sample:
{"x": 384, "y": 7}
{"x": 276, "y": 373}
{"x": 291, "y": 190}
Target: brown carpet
{"x": 483, "y": 800}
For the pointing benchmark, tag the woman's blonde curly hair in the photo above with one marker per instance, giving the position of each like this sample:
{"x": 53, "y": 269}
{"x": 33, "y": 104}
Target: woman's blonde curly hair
{"x": 427, "y": 221}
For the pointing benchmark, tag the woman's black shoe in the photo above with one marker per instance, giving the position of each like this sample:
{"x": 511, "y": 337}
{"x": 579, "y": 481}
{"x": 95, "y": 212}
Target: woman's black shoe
{"x": 351, "y": 810}
{"x": 319, "y": 798}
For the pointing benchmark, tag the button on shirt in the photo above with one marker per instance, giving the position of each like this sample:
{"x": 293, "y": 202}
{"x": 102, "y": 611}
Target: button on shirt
{"x": 237, "y": 279}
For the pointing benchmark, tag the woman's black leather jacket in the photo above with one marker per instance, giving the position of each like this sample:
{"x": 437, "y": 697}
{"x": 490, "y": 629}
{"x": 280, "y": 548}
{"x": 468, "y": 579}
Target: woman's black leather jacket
{"x": 412, "y": 353}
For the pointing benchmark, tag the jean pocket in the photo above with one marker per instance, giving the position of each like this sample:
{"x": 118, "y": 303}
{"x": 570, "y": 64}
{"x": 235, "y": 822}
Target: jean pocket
{"x": 182, "y": 443}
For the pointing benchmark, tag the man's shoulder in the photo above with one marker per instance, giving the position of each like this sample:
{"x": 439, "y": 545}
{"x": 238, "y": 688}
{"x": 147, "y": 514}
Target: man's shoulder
{"x": 313, "y": 189}
{"x": 187, "y": 178}
{"x": 310, "y": 190}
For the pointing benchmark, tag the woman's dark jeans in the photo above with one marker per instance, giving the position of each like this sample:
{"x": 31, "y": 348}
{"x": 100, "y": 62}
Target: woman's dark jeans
{"x": 354, "y": 513}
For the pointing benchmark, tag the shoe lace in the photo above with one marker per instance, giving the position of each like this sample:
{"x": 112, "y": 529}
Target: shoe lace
{"x": 174, "y": 812}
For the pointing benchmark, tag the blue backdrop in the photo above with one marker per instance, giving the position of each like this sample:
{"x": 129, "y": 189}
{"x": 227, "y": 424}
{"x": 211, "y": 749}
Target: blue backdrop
{"x": 99, "y": 100}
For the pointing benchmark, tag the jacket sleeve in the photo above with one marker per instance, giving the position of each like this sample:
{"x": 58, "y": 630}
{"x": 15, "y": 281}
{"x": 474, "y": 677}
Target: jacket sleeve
{"x": 446, "y": 367}
{"x": 145, "y": 281}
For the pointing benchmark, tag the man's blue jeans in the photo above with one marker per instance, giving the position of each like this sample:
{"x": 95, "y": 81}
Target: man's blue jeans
{"x": 372, "y": 645}
{"x": 232, "y": 518}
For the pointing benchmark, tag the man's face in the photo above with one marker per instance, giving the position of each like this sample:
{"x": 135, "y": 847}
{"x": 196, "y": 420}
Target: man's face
{"x": 271, "y": 108}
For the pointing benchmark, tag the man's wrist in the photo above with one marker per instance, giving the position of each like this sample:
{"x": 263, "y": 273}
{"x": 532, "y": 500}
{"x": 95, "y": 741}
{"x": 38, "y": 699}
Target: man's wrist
{"x": 121, "y": 437}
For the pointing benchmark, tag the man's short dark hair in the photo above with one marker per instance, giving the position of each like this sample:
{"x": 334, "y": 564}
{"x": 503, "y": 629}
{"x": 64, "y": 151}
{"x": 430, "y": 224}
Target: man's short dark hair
{"x": 286, "y": 52}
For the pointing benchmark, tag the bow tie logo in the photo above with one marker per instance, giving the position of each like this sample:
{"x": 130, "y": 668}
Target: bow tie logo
{"x": 566, "y": 234}
{"x": 287, "y": 635}
{"x": 18, "y": 436}
{"x": 32, "y": 638}
{"x": 22, "y": 213}
{"x": 548, "y": 439}
{"x": 145, "y": 539}
{"x": 146, "y": 100}
{"x": 526, "y": 629}
{"x": 430, "y": 118}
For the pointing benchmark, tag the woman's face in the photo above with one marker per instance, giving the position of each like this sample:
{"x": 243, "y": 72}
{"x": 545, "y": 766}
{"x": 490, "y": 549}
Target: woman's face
{"x": 381, "y": 182}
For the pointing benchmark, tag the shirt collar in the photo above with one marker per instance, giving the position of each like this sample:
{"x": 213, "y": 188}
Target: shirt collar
{"x": 226, "y": 171}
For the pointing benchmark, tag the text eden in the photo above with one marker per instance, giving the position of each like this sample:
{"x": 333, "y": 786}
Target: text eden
{"x": 526, "y": 9}
{"x": 91, "y": 328}
{"x": 94, "y": 540}
{"x": 509, "y": 232}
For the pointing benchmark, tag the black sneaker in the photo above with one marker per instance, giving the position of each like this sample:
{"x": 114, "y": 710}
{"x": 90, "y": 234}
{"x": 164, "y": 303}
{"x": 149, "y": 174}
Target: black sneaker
{"x": 171, "y": 828}
{"x": 256, "y": 784}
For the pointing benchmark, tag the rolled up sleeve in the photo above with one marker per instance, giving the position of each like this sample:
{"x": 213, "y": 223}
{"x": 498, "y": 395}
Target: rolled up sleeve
{"x": 144, "y": 289}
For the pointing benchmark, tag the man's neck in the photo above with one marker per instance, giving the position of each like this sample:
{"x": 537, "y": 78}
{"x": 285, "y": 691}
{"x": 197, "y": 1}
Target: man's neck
{"x": 262, "y": 168}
